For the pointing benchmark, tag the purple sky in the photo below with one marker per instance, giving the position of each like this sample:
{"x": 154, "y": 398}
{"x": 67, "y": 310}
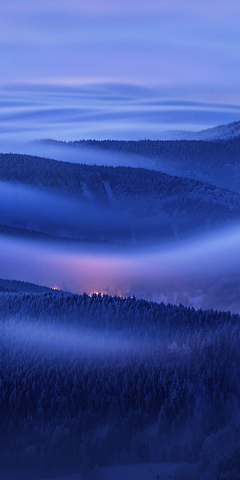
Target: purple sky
{"x": 175, "y": 49}
{"x": 176, "y": 42}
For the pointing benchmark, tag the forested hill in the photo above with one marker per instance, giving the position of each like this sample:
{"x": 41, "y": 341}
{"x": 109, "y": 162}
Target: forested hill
{"x": 97, "y": 380}
{"x": 166, "y": 148}
{"x": 17, "y": 286}
{"x": 104, "y": 311}
{"x": 133, "y": 200}
{"x": 217, "y": 162}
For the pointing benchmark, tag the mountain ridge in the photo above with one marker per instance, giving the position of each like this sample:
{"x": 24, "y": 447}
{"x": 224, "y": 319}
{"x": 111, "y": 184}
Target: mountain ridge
{"x": 220, "y": 132}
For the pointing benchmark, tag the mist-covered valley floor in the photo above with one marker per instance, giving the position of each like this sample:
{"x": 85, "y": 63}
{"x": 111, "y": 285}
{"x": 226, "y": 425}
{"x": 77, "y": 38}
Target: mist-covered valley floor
{"x": 119, "y": 308}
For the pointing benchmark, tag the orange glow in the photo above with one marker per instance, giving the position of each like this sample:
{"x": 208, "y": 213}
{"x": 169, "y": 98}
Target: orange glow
{"x": 96, "y": 293}
{"x": 105, "y": 293}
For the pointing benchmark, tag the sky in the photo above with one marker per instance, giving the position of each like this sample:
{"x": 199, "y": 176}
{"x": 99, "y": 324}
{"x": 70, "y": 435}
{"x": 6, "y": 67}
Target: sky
{"x": 144, "y": 42}
{"x": 174, "y": 50}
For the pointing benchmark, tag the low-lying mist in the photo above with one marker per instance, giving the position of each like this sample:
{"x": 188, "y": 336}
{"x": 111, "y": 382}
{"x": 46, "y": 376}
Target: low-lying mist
{"x": 80, "y": 342}
{"x": 60, "y": 215}
{"x": 26, "y": 207}
{"x": 203, "y": 272}
{"x": 66, "y": 153}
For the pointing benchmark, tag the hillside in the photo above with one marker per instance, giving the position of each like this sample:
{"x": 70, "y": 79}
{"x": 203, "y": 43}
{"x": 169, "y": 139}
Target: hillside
{"x": 106, "y": 203}
{"x": 17, "y": 286}
{"x": 216, "y": 162}
{"x": 139, "y": 381}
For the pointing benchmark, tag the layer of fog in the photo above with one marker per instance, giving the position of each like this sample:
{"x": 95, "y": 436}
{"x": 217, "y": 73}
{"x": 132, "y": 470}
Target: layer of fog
{"x": 57, "y": 215}
{"x": 67, "y": 153}
{"x": 62, "y": 339}
{"x": 187, "y": 268}
{"x": 26, "y": 207}
{"x": 84, "y": 215}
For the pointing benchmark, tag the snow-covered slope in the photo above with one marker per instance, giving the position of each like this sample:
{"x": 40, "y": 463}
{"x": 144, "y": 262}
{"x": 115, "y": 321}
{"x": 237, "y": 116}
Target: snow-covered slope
{"x": 221, "y": 132}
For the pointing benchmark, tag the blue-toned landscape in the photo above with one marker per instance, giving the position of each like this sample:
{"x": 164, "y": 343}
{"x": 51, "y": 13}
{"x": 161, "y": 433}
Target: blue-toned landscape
{"x": 119, "y": 240}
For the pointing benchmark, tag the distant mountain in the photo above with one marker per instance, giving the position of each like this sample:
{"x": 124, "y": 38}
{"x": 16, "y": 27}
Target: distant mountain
{"x": 221, "y": 132}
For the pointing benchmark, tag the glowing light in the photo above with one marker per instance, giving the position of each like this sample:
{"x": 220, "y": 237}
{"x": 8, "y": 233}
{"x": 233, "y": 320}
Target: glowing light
{"x": 96, "y": 293}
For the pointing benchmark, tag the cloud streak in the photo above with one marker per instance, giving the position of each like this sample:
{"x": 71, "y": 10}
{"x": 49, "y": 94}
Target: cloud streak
{"x": 100, "y": 111}
{"x": 177, "y": 43}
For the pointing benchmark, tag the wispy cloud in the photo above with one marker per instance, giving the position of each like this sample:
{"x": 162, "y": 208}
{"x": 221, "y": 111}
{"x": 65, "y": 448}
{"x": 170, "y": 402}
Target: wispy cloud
{"x": 106, "y": 110}
{"x": 170, "y": 42}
